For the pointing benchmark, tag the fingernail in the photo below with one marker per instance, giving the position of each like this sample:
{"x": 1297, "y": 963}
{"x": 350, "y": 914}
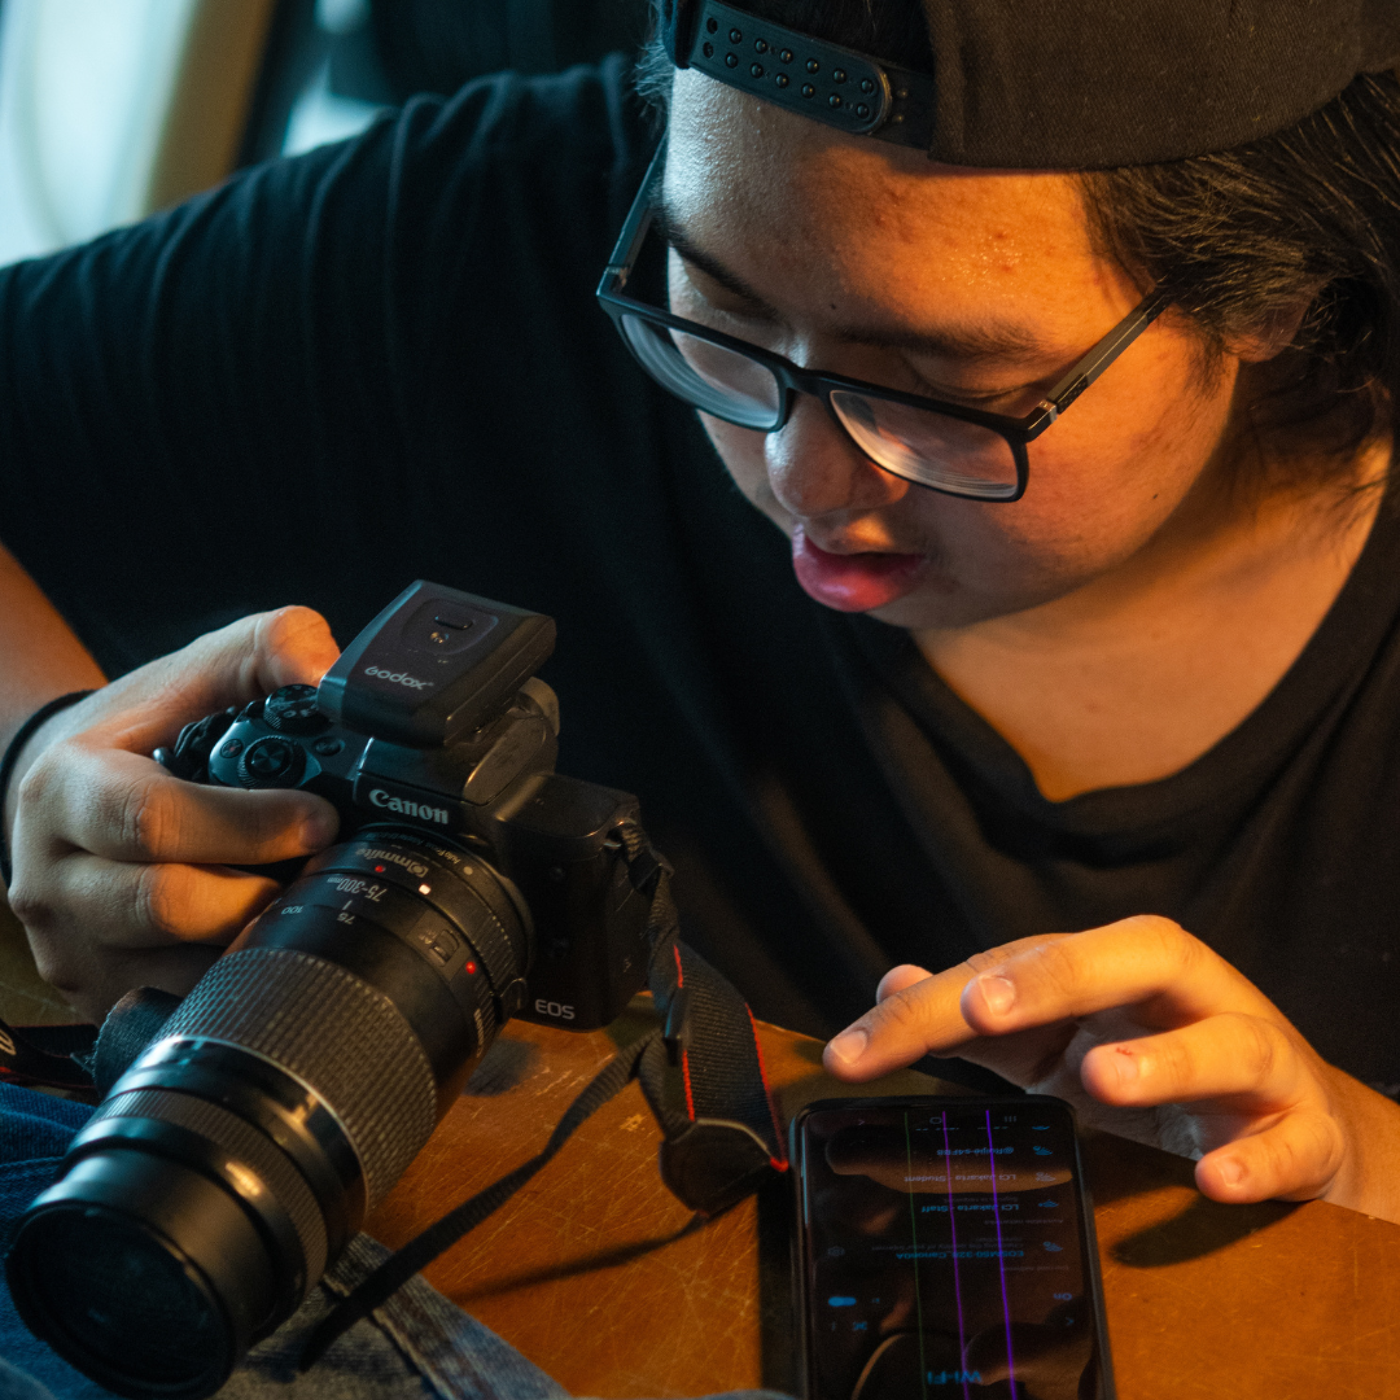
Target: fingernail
{"x": 319, "y": 830}
{"x": 850, "y": 1045}
{"x": 1128, "y": 1067}
{"x": 998, "y": 993}
{"x": 1231, "y": 1171}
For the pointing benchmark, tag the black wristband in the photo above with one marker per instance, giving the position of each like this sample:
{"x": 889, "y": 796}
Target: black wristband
{"x": 26, "y": 732}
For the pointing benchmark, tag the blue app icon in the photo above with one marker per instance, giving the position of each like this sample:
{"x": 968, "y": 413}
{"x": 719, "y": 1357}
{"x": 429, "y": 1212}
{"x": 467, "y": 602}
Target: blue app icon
{"x": 839, "y": 1302}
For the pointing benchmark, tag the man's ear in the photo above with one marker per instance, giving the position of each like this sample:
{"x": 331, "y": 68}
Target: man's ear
{"x": 1272, "y": 335}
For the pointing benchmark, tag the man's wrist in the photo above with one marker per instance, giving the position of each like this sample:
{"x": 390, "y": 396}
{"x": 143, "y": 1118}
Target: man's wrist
{"x": 1369, "y": 1180}
{"x": 10, "y": 766}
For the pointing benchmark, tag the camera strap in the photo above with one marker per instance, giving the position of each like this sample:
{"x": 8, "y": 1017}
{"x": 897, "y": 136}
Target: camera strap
{"x": 50, "y": 1057}
{"x": 725, "y": 1141}
{"x": 721, "y": 1140}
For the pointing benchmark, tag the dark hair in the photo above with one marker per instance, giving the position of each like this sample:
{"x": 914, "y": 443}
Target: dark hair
{"x": 1308, "y": 218}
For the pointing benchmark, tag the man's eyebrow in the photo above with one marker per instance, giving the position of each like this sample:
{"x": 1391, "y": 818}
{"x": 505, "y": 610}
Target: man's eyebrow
{"x": 677, "y": 238}
{"x": 999, "y": 340}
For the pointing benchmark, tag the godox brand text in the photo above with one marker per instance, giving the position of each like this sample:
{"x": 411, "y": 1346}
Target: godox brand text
{"x": 398, "y": 678}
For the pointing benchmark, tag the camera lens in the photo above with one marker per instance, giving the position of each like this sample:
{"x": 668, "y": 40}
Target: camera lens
{"x": 142, "y": 1273}
{"x": 283, "y": 1099}
{"x": 126, "y": 1289}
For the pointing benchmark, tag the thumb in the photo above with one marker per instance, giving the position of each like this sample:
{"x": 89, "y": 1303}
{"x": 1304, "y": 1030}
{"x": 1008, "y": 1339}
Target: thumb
{"x": 244, "y": 661}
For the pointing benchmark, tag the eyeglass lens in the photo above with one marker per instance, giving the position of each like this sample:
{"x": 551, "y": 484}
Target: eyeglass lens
{"x": 715, "y": 379}
{"x": 915, "y": 443}
{"x": 933, "y": 448}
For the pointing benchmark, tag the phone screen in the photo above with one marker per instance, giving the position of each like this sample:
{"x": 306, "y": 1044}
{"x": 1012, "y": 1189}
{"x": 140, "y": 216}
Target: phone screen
{"x": 946, "y": 1249}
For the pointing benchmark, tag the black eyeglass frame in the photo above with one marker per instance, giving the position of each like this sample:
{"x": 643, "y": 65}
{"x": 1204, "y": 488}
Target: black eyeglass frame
{"x": 793, "y": 379}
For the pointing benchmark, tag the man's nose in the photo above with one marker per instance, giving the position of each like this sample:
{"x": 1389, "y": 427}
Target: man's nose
{"x": 815, "y": 469}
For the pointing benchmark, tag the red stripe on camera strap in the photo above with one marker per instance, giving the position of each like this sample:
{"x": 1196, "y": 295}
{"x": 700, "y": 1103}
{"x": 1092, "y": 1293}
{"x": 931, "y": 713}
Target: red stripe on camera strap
{"x": 732, "y": 1141}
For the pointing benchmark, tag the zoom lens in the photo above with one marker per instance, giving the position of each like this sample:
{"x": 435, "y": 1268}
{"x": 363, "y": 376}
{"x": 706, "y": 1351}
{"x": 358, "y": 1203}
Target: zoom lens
{"x": 129, "y": 1294}
{"x": 238, "y": 1155}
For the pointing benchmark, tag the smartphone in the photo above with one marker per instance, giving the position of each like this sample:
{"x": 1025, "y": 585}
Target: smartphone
{"x": 945, "y": 1247}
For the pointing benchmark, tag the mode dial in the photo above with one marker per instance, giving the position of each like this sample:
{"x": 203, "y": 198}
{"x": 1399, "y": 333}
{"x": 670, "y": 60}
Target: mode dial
{"x": 292, "y": 710}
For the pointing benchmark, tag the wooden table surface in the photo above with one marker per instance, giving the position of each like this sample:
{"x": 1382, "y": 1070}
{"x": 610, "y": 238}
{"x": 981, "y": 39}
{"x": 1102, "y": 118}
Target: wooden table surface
{"x": 598, "y": 1275}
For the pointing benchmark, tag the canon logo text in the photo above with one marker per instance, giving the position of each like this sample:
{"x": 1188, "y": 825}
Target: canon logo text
{"x": 405, "y": 808}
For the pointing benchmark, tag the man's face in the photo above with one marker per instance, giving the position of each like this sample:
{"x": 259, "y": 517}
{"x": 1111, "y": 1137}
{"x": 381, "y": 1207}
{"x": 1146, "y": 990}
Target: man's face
{"x": 864, "y": 259}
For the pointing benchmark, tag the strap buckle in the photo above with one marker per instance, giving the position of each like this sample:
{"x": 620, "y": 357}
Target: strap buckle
{"x": 714, "y": 1163}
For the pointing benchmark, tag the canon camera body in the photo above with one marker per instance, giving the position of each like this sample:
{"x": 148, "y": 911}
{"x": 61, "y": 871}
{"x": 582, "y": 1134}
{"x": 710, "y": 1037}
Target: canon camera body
{"x": 230, "y": 1164}
{"x": 433, "y": 721}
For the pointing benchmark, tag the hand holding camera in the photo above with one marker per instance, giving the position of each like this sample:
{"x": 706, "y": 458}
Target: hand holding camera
{"x": 122, "y": 872}
{"x": 433, "y": 739}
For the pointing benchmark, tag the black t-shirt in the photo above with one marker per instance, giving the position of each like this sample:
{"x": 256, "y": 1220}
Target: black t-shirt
{"x": 383, "y": 361}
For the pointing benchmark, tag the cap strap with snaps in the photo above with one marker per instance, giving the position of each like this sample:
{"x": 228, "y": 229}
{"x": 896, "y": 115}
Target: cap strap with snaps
{"x": 1058, "y": 85}
{"x": 845, "y": 89}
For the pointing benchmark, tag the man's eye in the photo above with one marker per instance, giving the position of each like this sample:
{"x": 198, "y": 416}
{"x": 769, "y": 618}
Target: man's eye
{"x": 991, "y": 400}
{"x": 742, "y": 323}
{"x": 723, "y": 310}
{"x": 994, "y": 398}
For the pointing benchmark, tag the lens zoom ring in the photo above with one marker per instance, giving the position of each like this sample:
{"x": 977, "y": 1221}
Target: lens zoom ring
{"x": 247, "y": 1145}
{"x": 334, "y": 1032}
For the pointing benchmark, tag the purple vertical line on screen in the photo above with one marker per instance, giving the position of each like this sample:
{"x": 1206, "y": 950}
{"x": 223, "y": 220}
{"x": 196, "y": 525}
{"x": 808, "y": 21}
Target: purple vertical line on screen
{"x": 957, "y": 1283}
{"x": 914, "y": 1242}
{"x": 1001, "y": 1261}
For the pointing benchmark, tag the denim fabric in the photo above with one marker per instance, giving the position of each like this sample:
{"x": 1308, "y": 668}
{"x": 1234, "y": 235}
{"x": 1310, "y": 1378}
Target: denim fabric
{"x": 15, "y": 1385}
{"x": 34, "y": 1131}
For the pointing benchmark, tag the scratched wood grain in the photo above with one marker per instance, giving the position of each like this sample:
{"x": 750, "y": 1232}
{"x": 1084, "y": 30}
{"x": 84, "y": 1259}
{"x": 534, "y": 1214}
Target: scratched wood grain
{"x": 597, "y": 1274}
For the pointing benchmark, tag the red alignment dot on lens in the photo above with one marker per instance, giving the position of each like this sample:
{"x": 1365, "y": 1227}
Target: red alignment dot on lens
{"x": 378, "y": 869}
{"x": 471, "y": 967}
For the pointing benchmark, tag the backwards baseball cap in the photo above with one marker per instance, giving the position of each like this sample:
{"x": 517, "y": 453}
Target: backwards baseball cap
{"x": 1057, "y": 84}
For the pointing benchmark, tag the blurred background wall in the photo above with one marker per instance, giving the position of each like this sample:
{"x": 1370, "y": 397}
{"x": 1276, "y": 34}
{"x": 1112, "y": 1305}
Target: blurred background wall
{"x": 110, "y": 109}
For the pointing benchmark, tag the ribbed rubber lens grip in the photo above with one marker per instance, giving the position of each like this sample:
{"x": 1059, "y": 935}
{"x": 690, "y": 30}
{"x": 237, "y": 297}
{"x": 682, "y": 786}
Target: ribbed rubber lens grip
{"x": 246, "y": 1145}
{"x": 337, "y": 1034}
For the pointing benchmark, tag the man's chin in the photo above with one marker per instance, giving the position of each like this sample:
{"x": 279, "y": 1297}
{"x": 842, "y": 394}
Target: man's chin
{"x": 941, "y": 604}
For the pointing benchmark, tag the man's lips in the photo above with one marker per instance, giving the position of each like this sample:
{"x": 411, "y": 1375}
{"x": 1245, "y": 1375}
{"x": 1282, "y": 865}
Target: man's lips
{"x": 853, "y": 582}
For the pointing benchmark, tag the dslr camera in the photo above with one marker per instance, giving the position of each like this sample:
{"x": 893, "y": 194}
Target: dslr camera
{"x": 231, "y": 1163}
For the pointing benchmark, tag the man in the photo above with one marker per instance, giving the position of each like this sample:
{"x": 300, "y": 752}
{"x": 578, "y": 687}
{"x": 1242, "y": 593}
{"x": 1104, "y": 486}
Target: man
{"x": 1065, "y": 624}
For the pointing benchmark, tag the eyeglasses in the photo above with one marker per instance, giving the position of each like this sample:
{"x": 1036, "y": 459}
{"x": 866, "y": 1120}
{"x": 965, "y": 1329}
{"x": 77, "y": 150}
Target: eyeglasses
{"x": 946, "y": 447}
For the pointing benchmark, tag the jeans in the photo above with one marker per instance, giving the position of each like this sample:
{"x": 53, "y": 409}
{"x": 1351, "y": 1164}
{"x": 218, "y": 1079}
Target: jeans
{"x": 418, "y": 1346}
